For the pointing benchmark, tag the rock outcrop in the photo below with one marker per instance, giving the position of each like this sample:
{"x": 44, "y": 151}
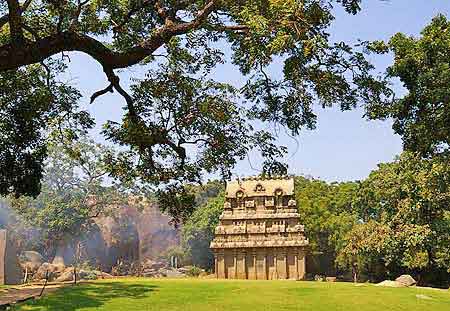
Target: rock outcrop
{"x": 48, "y": 270}
{"x": 389, "y": 283}
{"x": 406, "y": 280}
{"x": 30, "y": 261}
{"x": 130, "y": 236}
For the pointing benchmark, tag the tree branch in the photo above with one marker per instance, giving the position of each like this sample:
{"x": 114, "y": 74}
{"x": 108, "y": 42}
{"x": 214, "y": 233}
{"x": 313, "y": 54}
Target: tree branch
{"x": 15, "y": 22}
{"x": 233, "y": 28}
{"x": 12, "y": 56}
{"x": 115, "y": 82}
{"x": 130, "y": 14}
{"x": 76, "y": 16}
{"x": 107, "y": 89}
{"x": 202, "y": 14}
{"x": 5, "y": 18}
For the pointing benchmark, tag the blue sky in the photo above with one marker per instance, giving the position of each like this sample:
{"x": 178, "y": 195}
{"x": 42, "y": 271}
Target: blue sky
{"x": 344, "y": 146}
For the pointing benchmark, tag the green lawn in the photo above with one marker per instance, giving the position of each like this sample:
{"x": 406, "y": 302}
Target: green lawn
{"x": 200, "y": 294}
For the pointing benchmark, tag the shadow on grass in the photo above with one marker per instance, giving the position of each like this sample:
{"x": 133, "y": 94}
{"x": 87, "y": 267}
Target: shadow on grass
{"x": 94, "y": 295}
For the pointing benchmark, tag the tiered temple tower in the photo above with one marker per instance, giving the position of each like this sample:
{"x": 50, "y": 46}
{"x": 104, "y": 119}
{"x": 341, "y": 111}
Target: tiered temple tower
{"x": 259, "y": 236}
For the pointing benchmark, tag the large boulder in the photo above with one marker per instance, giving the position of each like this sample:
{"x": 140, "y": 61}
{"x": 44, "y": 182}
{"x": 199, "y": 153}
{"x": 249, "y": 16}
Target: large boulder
{"x": 50, "y": 270}
{"x": 156, "y": 234}
{"x": 406, "y": 280}
{"x": 150, "y": 264}
{"x": 111, "y": 240}
{"x": 86, "y": 275}
{"x": 389, "y": 283}
{"x": 32, "y": 257}
{"x": 44, "y": 271}
{"x": 131, "y": 235}
{"x": 103, "y": 275}
{"x": 30, "y": 261}
{"x": 66, "y": 276}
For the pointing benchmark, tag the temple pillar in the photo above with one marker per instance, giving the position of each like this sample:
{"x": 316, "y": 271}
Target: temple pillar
{"x": 265, "y": 265}
{"x": 301, "y": 264}
{"x": 220, "y": 264}
{"x": 275, "y": 265}
{"x": 291, "y": 267}
{"x": 229, "y": 264}
{"x": 254, "y": 264}
{"x": 281, "y": 264}
{"x": 241, "y": 264}
{"x": 235, "y": 263}
{"x": 216, "y": 266}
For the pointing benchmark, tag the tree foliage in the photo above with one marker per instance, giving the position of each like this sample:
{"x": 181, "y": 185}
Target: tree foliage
{"x": 422, "y": 64}
{"x": 32, "y": 102}
{"x": 405, "y": 213}
{"x": 75, "y": 191}
{"x": 178, "y": 124}
{"x": 326, "y": 210}
{"x": 198, "y": 231}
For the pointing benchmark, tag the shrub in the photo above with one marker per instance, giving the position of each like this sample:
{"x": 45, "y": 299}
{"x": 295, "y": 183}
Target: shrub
{"x": 194, "y": 271}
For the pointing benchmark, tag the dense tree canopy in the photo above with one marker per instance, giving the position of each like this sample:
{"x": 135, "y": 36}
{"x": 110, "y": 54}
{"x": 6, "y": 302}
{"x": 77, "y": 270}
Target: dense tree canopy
{"x": 198, "y": 231}
{"x": 422, "y": 116}
{"x": 178, "y": 123}
{"x": 31, "y": 102}
{"x": 404, "y": 209}
{"x": 328, "y": 214}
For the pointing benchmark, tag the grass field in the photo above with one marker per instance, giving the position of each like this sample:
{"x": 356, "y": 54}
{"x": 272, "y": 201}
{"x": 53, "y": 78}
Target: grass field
{"x": 201, "y": 295}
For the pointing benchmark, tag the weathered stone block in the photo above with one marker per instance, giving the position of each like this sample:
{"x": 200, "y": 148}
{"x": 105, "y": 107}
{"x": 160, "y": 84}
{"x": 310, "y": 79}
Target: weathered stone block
{"x": 10, "y": 270}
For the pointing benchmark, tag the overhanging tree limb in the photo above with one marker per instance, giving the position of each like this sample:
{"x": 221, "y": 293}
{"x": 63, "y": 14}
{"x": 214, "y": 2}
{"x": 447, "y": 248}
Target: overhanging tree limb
{"x": 13, "y": 56}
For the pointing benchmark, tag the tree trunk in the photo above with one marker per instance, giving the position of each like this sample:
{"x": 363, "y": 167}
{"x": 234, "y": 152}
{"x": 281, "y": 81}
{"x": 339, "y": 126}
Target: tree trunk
{"x": 75, "y": 275}
{"x": 355, "y": 273}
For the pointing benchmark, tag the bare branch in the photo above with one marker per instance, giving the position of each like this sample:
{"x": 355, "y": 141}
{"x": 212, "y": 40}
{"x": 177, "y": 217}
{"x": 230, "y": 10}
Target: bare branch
{"x": 201, "y": 16}
{"x": 162, "y": 12}
{"x": 47, "y": 69}
{"x": 107, "y": 89}
{"x": 232, "y": 28}
{"x": 115, "y": 82}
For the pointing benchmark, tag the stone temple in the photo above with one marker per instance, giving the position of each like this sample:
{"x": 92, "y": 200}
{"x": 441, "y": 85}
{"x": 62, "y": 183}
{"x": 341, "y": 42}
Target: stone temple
{"x": 259, "y": 236}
